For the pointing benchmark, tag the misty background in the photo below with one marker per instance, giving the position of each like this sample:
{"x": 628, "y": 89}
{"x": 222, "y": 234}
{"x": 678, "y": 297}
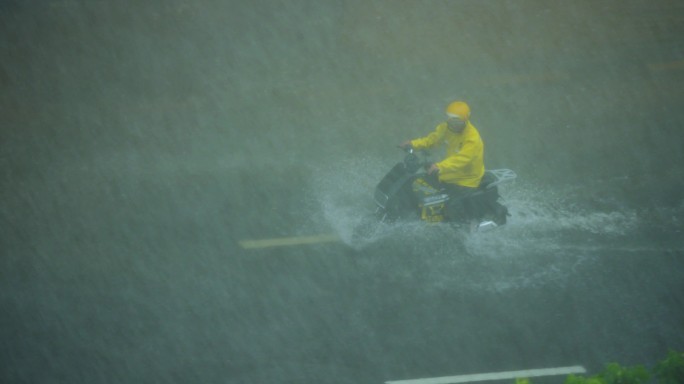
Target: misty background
{"x": 140, "y": 141}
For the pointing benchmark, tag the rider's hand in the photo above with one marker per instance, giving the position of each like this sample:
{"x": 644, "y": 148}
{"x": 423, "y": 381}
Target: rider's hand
{"x": 433, "y": 169}
{"x": 405, "y": 145}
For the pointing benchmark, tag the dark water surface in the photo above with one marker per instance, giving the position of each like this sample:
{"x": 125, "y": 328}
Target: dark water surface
{"x": 142, "y": 141}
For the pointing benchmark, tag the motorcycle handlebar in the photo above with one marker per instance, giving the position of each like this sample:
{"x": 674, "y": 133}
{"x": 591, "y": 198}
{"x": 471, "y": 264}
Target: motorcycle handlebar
{"x": 414, "y": 161}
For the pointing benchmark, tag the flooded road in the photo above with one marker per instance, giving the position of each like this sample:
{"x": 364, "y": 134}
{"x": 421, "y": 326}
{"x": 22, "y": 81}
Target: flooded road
{"x": 143, "y": 144}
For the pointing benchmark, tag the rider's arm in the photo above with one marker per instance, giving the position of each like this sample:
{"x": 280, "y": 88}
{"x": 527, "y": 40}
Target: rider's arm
{"x": 431, "y": 139}
{"x": 465, "y": 155}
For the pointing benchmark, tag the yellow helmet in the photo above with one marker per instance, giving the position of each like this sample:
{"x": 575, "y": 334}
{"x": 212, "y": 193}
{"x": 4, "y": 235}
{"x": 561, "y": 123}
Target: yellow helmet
{"x": 458, "y": 109}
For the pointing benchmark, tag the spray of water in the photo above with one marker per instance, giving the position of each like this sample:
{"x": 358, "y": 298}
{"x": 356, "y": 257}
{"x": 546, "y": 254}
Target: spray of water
{"x": 548, "y": 236}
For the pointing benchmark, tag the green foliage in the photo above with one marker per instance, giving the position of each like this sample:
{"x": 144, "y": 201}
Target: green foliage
{"x": 572, "y": 379}
{"x": 616, "y": 374}
{"x": 670, "y": 370}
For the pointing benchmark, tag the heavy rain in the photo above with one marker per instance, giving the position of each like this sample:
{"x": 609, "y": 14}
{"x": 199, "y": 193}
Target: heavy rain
{"x": 188, "y": 189}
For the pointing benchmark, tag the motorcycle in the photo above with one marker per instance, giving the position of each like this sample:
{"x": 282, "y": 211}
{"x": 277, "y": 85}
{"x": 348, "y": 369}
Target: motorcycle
{"x": 408, "y": 192}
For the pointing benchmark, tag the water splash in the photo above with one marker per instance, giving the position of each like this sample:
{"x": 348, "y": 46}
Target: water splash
{"x": 344, "y": 193}
{"x": 550, "y": 234}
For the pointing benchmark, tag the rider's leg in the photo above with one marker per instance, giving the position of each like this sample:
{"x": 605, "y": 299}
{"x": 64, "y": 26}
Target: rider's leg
{"x": 459, "y": 208}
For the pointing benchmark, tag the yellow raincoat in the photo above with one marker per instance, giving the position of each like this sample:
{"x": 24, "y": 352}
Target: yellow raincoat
{"x": 464, "y": 163}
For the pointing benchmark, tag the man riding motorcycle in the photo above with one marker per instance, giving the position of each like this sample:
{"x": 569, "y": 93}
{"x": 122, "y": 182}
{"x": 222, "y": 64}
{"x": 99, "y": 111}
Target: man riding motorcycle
{"x": 461, "y": 171}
